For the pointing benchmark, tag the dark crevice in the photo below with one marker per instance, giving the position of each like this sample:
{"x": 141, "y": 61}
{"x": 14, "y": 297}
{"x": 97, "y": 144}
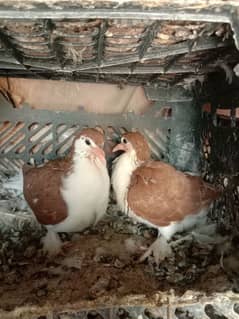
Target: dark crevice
{"x": 212, "y": 313}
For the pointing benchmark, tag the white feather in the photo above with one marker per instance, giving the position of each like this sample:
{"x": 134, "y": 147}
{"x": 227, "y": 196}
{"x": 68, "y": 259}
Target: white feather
{"x": 51, "y": 243}
{"x": 123, "y": 168}
{"x": 86, "y": 193}
{"x": 187, "y": 223}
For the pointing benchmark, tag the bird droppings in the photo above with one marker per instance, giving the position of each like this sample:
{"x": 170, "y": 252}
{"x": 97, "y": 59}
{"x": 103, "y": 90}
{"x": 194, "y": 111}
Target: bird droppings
{"x": 100, "y": 264}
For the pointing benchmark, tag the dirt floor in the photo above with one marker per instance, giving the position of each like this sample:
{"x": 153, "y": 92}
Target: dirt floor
{"x": 100, "y": 266}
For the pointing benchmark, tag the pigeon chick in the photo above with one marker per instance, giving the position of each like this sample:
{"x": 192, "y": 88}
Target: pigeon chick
{"x": 156, "y": 194}
{"x": 71, "y": 194}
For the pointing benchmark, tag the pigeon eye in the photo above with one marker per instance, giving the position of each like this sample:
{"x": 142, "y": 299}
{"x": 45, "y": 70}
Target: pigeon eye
{"x": 87, "y": 142}
{"x": 124, "y": 140}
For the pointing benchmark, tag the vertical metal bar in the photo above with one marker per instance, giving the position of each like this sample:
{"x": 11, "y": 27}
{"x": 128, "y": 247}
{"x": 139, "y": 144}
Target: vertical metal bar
{"x": 233, "y": 117}
{"x": 148, "y": 39}
{"x": 172, "y": 62}
{"x": 54, "y": 137}
{"x": 100, "y": 48}
{"x": 27, "y": 143}
{"x": 214, "y": 105}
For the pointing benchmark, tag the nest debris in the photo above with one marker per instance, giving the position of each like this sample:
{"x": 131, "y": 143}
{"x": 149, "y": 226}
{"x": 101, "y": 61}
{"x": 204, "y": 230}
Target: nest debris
{"x": 99, "y": 263}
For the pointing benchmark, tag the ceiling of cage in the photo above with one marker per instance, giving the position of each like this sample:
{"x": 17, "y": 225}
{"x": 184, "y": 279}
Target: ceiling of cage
{"x": 112, "y": 50}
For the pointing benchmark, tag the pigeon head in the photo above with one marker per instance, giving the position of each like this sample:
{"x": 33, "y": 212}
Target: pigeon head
{"x": 89, "y": 143}
{"x": 134, "y": 143}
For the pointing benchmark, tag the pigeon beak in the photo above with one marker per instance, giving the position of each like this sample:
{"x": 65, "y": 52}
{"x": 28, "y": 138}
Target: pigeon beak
{"x": 120, "y": 147}
{"x": 98, "y": 152}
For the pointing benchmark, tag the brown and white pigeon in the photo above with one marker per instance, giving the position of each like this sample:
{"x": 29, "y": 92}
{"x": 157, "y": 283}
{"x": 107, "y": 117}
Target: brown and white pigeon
{"x": 156, "y": 194}
{"x": 71, "y": 194}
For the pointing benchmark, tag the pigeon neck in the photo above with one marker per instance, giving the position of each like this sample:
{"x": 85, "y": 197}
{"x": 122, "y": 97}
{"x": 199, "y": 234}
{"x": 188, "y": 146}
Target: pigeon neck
{"x": 128, "y": 162}
{"x": 80, "y": 159}
{"x": 121, "y": 176}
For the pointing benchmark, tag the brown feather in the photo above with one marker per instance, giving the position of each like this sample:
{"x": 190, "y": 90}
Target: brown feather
{"x": 41, "y": 190}
{"x": 42, "y": 185}
{"x": 139, "y": 144}
{"x": 160, "y": 194}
